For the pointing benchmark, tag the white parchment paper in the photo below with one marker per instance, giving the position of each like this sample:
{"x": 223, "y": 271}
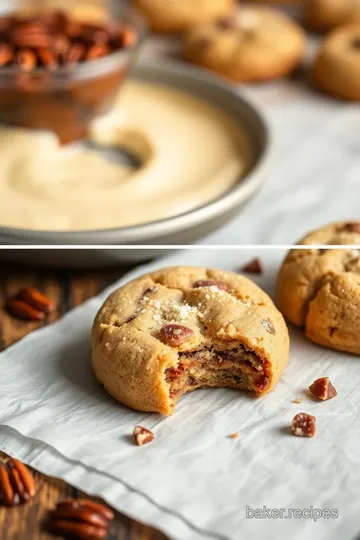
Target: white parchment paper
{"x": 193, "y": 481}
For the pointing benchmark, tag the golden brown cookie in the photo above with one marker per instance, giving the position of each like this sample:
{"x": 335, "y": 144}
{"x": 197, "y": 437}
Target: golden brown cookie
{"x": 256, "y": 44}
{"x": 324, "y": 15}
{"x": 183, "y": 328}
{"x": 319, "y": 289}
{"x": 178, "y": 16}
{"x": 337, "y": 66}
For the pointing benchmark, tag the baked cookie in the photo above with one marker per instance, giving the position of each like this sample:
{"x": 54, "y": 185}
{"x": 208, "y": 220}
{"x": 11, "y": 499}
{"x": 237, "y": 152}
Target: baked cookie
{"x": 337, "y": 66}
{"x": 320, "y": 289}
{"x": 178, "y": 16}
{"x": 256, "y": 44}
{"x": 183, "y": 328}
{"x": 324, "y": 15}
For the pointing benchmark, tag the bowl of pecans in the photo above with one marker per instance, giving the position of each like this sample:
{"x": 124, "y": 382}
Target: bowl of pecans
{"x": 59, "y": 68}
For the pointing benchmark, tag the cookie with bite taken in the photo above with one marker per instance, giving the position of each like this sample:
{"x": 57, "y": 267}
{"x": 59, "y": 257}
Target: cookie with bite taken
{"x": 183, "y": 328}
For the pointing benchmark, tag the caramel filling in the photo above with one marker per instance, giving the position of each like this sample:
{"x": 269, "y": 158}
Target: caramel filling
{"x": 230, "y": 368}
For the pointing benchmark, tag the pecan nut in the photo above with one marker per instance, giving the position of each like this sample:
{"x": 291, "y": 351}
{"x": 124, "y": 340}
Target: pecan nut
{"x": 176, "y": 334}
{"x": 6, "y": 54}
{"x": 304, "y": 425}
{"x": 323, "y": 389}
{"x": 104, "y": 511}
{"x": 36, "y": 299}
{"x": 17, "y": 484}
{"x": 80, "y": 518}
{"x": 253, "y": 267}
{"x": 26, "y": 59}
{"x": 211, "y": 283}
{"x": 76, "y": 529}
{"x": 23, "y": 310}
{"x": 142, "y": 435}
{"x": 53, "y": 39}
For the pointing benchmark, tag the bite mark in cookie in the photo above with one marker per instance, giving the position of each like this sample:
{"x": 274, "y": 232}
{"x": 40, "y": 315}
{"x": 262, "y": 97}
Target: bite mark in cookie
{"x": 212, "y": 367}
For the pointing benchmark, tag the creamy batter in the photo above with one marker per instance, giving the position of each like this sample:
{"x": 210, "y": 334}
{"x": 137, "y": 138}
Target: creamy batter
{"x": 190, "y": 153}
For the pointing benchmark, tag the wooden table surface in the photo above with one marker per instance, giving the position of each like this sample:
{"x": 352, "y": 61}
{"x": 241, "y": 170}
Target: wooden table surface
{"x": 67, "y": 289}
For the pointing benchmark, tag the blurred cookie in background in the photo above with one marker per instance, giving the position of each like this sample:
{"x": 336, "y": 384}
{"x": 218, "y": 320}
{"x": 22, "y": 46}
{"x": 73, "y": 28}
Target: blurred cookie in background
{"x": 254, "y": 44}
{"x": 324, "y": 15}
{"x": 174, "y": 16}
{"x": 337, "y": 65}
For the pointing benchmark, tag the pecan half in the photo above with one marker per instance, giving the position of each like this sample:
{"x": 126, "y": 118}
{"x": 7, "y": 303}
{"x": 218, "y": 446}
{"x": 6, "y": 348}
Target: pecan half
{"x": 253, "y": 267}
{"x": 23, "y": 310}
{"x": 80, "y": 518}
{"x": 76, "y": 529}
{"x": 304, "y": 425}
{"x": 176, "y": 334}
{"x": 323, "y": 389}
{"x": 26, "y": 59}
{"x": 97, "y": 51}
{"x": 36, "y": 299}
{"x": 211, "y": 283}
{"x": 17, "y": 484}
{"x": 142, "y": 435}
{"x": 75, "y": 54}
{"x": 47, "y": 58}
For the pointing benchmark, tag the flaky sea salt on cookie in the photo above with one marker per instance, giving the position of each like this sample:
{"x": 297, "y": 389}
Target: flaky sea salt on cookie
{"x": 182, "y": 328}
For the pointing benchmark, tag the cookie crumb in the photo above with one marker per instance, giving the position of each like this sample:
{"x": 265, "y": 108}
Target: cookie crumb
{"x": 234, "y": 435}
{"x": 298, "y": 399}
{"x": 253, "y": 267}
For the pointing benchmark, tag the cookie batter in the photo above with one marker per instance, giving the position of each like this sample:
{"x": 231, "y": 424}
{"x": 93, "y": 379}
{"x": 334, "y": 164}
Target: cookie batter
{"x": 191, "y": 153}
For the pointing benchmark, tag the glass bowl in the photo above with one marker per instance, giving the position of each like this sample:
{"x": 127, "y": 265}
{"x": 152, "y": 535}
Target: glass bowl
{"x": 65, "y": 100}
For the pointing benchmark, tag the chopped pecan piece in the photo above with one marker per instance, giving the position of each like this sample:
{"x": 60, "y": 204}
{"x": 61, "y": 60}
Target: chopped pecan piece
{"x": 142, "y": 435}
{"x": 253, "y": 267}
{"x": 304, "y": 425}
{"x": 211, "y": 283}
{"x": 176, "y": 334}
{"x": 323, "y": 389}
